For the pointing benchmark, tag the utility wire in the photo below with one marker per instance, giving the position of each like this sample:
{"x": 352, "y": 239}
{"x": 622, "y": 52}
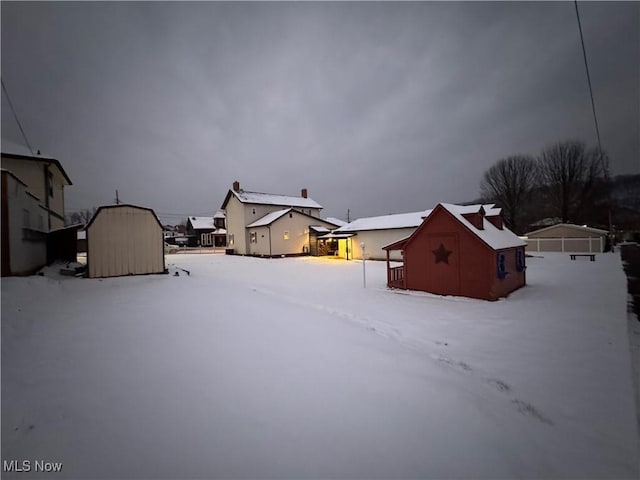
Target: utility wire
{"x": 15, "y": 115}
{"x": 605, "y": 165}
{"x": 586, "y": 66}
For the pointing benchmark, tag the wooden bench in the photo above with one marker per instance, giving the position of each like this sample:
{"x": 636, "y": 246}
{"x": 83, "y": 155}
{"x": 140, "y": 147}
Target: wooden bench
{"x": 591, "y": 256}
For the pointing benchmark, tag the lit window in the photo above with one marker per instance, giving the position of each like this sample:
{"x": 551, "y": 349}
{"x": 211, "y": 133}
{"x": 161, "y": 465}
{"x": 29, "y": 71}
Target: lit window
{"x": 230, "y": 239}
{"x": 286, "y": 235}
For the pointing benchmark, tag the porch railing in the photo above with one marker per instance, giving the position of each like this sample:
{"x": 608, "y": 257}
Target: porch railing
{"x": 396, "y": 277}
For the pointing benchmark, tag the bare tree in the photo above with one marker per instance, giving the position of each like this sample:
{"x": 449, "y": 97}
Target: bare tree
{"x": 574, "y": 178}
{"x": 509, "y": 184}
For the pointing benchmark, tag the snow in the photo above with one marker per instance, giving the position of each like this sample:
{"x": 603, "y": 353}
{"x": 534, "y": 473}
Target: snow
{"x": 582, "y": 228}
{"x": 490, "y": 234}
{"x": 271, "y": 199}
{"x": 289, "y": 368}
{"x": 398, "y": 220}
{"x": 201, "y": 222}
{"x": 336, "y": 221}
{"x": 269, "y": 218}
{"x": 13, "y": 148}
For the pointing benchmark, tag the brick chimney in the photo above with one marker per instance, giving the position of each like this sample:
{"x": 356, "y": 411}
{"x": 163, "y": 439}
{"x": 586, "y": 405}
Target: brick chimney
{"x": 236, "y": 186}
{"x": 303, "y": 193}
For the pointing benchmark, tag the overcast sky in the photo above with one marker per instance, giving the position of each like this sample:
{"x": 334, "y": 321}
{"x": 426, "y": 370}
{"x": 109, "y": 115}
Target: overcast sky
{"x": 374, "y": 107}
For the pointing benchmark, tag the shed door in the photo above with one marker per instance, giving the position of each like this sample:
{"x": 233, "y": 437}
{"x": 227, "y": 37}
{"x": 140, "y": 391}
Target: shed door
{"x": 442, "y": 267}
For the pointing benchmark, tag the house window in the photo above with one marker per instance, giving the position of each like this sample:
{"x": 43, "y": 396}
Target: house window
{"x": 253, "y": 237}
{"x": 26, "y": 218}
{"x": 40, "y": 223}
{"x": 230, "y": 242}
{"x": 520, "y": 265}
{"x": 50, "y": 183}
{"x": 502, "y": 273}
{"x": 291, "y": 215}
{"x": 253, "y": 210}
{"x": 286, "y": 235}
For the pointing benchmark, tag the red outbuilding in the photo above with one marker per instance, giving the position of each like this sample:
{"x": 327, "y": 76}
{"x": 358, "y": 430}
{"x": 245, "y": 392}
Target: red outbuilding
{"x": 460, "y": 250}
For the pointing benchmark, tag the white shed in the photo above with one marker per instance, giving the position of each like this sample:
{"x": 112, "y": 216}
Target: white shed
{"x": 124, "y": 240}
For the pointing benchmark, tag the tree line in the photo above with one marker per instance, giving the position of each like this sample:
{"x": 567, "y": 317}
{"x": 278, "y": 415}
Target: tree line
{"x": 567, "y": 181}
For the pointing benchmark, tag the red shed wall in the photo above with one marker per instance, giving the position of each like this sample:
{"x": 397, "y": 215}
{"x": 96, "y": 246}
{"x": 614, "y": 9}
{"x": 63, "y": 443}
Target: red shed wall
{"x": 471, "y": 261}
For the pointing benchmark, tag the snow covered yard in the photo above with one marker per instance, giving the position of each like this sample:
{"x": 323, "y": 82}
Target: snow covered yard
{"x": 288, "y": 368}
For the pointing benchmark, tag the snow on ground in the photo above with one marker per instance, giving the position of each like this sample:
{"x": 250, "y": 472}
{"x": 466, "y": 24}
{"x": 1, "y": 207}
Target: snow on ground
{"x": 288, "y": 368}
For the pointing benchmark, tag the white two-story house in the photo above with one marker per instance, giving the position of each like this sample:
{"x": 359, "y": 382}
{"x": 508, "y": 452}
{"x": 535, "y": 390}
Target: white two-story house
{"x": 270, "y": 225}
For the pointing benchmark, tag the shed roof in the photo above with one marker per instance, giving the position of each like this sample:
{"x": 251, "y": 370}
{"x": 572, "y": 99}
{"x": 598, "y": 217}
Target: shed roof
{"x": 386, "y": 222}
{"x": 121, "y": 205}
{"x": 490, "y": 234}
{"x": 582, "y": 228}
{"x": 270, "y": 199}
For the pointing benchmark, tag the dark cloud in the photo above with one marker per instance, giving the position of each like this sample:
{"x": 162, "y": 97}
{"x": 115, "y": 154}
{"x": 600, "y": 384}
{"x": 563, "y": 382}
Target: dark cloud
{"x": 375, "y": 107}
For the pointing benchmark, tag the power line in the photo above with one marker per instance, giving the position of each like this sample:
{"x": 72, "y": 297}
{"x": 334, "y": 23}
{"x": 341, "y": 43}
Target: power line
{"x": 15, "y": 115}
{"x": 586, "y": 66}
{"x": 605, "y": 165}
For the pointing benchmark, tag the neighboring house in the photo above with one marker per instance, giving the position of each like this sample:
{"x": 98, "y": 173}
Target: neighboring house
{"x": 220, "y": 233}
{"x": 44, "y": 177}
{"x": 124, "y": 240}
{"x": 285, "y": 232}
{"x": 244, "y": 208}
{"x": 24, "y": 230}
{"x": 200, "y": 231}
{"x": 376, "y": 232}
{"x": 566, "y": 237}
{"x": 207, "y": 231}
{"x": 460, "y": 250}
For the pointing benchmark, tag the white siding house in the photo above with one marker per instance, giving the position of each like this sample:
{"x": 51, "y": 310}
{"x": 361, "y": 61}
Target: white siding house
{"x": 376, "y": 232}
{"x": 124, "y": 240}
{"x": 24, "y": 228}
{"x": 244, "y": 208}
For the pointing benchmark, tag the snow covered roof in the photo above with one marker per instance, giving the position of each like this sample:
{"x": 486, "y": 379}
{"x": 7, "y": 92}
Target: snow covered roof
{"x": 201, "y": 223}
{"x": 220, "y": 214}
{"x": 336, "y": 221}
{"x": 20, "y": 152}
{"x": 269, "y": 218}
{"x": 584, "y": 228}
{"x": 220, "y": 231}
{"x": 399, "y": 220}
{"x": 271, "y": 199}
{"x": 319, "y": 228}
{"x": 490, "y": 234}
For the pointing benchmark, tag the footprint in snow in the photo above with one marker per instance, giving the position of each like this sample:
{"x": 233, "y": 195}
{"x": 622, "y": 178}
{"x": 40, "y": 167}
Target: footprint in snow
{"x": 531, "y": 411}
